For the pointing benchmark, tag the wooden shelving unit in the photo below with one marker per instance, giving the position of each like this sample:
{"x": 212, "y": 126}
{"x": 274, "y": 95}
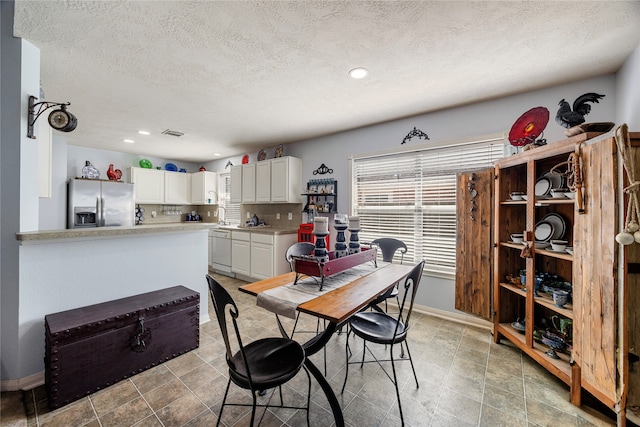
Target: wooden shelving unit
{"x": 604, "y": 276}
{"x": 512, "y": 301}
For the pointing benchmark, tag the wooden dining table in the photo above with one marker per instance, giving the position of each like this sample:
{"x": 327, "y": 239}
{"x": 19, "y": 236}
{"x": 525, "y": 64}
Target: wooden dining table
{"x": 335, "y": 306}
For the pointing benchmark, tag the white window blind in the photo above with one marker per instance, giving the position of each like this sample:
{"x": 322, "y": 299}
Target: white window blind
{"x": 231, "y": 210}
{"x": 411, "y": 196}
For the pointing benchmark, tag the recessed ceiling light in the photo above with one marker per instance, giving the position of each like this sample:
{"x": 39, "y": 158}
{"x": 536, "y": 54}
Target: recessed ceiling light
{"x": 358, "y": 73}
{"x": 217, "y": 154}
{"x": 144, "y": 132}
{"x": 129, "y": 141}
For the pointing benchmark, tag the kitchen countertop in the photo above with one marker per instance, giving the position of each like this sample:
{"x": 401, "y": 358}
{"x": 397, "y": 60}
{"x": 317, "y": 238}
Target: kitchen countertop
{"x": 261, "y": 230}
{"x": 78, "y": 233}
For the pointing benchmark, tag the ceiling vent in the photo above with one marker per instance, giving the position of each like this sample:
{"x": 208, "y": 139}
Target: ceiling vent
{"x": 172, "y": 132}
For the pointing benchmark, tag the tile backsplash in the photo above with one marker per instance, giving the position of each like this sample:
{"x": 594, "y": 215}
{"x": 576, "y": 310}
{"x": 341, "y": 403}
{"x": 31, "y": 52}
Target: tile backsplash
{"x": 165, "y": 214}
{"x": 269, "y": 214}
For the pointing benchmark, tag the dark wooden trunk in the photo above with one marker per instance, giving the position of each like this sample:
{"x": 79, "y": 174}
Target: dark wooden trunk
{"x": 89, "y": 348}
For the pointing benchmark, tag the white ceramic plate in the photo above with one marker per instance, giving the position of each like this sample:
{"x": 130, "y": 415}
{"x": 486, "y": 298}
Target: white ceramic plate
{"x": 556, "y": 180}
{"x": 542, "y": 245}
{"x": 559, "y": 225}
{"x": 544, "y": 231}
{"x": 543, "y": 186}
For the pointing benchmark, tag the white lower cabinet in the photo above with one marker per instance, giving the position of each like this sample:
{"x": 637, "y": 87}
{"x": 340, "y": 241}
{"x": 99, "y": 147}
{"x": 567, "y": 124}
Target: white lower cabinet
{"x": 260, "y": 255}
{"x": 241, "y": 252}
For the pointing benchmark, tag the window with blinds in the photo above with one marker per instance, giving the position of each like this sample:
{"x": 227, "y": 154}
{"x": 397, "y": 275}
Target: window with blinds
{"x": 231, "y": 210}
{"x": 411, "y": 196}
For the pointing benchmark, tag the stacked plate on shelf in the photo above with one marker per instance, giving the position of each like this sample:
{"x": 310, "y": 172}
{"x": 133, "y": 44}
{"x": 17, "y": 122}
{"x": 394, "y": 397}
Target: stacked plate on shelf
{"x": 545, "y": 183}
{"x": 552, "y": 227}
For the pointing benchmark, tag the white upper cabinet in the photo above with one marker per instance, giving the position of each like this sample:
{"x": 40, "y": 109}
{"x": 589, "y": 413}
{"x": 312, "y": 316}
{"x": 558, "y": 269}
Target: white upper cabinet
{"x": 249, "y": 183}
{"x": 269, "y": 181}
{"x": 263, "y": 182}
{"x": 203, "y": 188}
{"x": 235, "y": 195}
{"x": 177, "y": 188}
{"x": 149, "y": 185}
{"x": 286, "y": 176}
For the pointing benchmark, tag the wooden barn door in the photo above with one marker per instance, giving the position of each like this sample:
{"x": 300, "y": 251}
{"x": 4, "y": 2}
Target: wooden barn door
{"x": 474, "y": 263}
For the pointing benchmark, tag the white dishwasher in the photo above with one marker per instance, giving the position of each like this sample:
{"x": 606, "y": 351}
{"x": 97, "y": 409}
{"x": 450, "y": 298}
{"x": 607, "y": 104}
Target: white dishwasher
{"x": 221, "y": 251}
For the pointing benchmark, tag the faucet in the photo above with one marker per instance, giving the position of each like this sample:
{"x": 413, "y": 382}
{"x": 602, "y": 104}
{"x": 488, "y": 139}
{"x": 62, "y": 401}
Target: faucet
{"x": 220, "y": 220}
{"x": 209, "y": 193}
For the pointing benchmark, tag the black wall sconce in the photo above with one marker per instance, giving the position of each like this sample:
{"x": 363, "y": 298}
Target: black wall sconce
{"x": 59, "y": 119}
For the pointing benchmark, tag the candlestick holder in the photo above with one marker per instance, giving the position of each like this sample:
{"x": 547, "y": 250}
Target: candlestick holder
{"x": 341, "y": 245}
{"x": 354, "y": 241}
{"x": 320, "y": 252}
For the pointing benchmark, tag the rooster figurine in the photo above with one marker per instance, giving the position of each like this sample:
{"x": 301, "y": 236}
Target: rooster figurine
{"x": 567, "y": 118}
{"x": 114, "y": 174}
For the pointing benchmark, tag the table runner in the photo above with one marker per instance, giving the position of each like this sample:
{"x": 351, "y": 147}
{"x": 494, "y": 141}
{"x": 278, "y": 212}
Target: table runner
{"x": 284, "y": 300}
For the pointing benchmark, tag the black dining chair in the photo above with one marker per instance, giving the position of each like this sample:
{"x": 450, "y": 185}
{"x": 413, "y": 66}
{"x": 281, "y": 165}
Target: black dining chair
{"x": 381, "y": 328}
{"x": 298, "y": 249}
{"x": 260, "y": 365}
{"x": 388, "y": 246}
{"x": 301, "y": 249}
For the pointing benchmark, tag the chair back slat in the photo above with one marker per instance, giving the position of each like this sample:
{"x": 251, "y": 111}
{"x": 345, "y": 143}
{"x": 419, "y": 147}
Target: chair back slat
{"x": 410, "y": 287}
{"x": 223, "y": 303}
{"x": 388, "y": 246}
{"x": 298, "y": 249}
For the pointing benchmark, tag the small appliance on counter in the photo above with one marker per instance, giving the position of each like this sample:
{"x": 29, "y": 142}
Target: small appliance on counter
{"x": 192, "y": 217}
{"x": 99, "y": 203}
{"x": 255, "y": 222}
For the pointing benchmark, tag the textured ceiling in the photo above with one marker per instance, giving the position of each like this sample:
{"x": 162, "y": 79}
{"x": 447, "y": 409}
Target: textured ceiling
{"x": 238, "y": 76}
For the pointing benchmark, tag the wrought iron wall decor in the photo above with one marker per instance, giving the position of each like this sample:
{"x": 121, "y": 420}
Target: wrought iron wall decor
{"x": 323, "y": 169}
{"x": 471, "y": 186}
{"x": 415, "y": 132}
{"x": 59, "y": 119}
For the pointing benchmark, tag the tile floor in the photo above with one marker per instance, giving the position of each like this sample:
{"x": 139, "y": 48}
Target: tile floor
{"x": 465, "y": 380}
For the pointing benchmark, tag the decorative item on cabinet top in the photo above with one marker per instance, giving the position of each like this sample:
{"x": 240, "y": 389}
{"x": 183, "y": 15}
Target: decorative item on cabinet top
{"x": 528, "y": 127}
{"x": 114, "y": 174}
{"x": 89, "y": 171}
{"x": 569, "y": 118}
{"x": 145, "y": 164}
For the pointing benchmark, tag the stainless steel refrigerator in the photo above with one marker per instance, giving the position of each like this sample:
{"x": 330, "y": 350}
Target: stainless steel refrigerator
{"x": 98, "y": 203}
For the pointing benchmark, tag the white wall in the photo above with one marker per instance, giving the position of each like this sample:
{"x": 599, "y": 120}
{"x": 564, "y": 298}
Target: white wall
{"x": 59, "y": 275}
{"x": 628, "y": 92}
{"x": 19, "y": 78}
{"x": 53, "y": 209}
{"x": 101, "y": 159}
{"x": 68, "y": 161}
